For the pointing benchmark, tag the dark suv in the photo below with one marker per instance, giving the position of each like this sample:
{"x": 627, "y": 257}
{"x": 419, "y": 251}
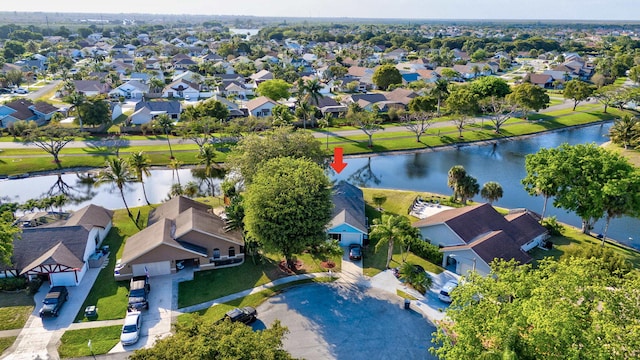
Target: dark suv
{"x": 138, "y": 293}
{"x": 53, "y": 301}
{"x": 245, "y": 315}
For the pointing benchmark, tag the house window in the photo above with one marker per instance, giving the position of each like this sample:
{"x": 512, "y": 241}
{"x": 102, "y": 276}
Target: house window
{"x": 241, "y": 249}
{"x": 216, "y": 253}
{"x": 335, "y": 237}
{"x": 232, "y": 251}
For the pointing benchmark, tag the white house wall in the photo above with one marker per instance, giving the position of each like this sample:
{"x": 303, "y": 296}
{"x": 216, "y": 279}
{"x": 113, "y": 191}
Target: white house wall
{"x": 465, "y": 262}
{"x": 533, "y": 243}
{"x": 68, "y": 278}
{"x": 440, "y": 235}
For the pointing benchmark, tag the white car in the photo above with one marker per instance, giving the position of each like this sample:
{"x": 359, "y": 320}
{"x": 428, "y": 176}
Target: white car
{"x": 21, "y": 91}
{"x": 445, "y": 292}
{"x": 131, "y": 328}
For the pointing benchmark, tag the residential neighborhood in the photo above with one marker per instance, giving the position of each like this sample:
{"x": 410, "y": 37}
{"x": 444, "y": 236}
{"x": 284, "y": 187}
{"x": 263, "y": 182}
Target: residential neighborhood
{"x": 201, "y": 187}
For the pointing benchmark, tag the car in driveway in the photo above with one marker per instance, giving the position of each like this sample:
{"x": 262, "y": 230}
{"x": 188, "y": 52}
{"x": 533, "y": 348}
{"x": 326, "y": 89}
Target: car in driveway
{"x": 445, "y": 292}
{"x": 139, "y": 293}
{"x": 53, "y": 301}
{"x": 355, "y": 252}
{"x": 246, "y": 315}
{"x": 131, "y": 328}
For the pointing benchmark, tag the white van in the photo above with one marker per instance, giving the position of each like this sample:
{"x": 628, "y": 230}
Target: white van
{"x": 445, "y": 292}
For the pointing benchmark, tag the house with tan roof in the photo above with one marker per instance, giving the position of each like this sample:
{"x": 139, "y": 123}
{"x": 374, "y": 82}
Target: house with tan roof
{"x": 61, "y": 252}
{"x": 260, "y": 106}
{"x": 473, "y": 236}
{"x": 180, "y": 230}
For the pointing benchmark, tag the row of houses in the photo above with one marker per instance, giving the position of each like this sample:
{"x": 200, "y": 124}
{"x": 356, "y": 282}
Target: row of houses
{"x": 182, "y": 230}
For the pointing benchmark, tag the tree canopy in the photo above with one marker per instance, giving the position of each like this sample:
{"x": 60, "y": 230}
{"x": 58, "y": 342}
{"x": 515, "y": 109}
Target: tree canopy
{"x": 203, "y": 340}
{"x": 386, "y": 75}
{"x": 288, "y": 205}
{"x": 577, "y": 91}
{"x": 8, "y": 233}
{"x": 274, "y": 89}
{"x": 583, "y": 178}
{"x": 529, "y": 97}
{"x": 253, "y": 150}
{"x": 52, "y": 139}
{"x": 488, "y": 86}
{"x": 568, "y": 309}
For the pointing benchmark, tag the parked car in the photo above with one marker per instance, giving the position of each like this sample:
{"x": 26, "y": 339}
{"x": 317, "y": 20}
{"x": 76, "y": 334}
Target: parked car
{"x": 5, "y": 91}
{"x": 131, "y": 328}
{"x": 445, "y": 292}
{"x": 21, "y": 91}
{"x": 139, "y": 288}
{"x": 53, "y": 301}
{"x": 355, "y": 252}
{"x": 246, "y": 315}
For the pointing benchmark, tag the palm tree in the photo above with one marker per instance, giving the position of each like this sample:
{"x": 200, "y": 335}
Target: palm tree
{"x": 117, "y": 172}
{"x": 165, "y": 123}
{"x": 625, "y": 130}
{"x": 77, "y": 99}
{"x": 312, "y": 88}
{"x": 390, "y": 229}
{"x": 140, "y": 164}
{"x": 491, "y": 191}
{"x": 440, "y": 91}
{"x": 175, "y": 165}
{"x": 206, "y": 156}
{"x": 455, "y": 176}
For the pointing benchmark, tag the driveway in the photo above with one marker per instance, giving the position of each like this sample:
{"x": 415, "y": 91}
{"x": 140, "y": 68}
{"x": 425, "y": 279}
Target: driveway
{"x": 342, "y": 321}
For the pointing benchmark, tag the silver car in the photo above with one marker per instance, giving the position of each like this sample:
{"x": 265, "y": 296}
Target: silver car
{"x": 131, "y": 328}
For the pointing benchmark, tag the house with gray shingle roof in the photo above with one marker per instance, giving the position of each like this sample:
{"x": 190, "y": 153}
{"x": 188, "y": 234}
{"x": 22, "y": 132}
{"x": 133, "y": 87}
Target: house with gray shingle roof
{"x": 471, "y": 237}
{"x": 348, "y": 220}
{"x": 146, "y": 111}
{"x": 24, "y": 109}
{"x": 61, "y": 251}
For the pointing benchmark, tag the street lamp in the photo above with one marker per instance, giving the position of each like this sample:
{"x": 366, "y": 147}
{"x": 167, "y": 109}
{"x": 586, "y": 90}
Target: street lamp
{"x": 91, "y": 349}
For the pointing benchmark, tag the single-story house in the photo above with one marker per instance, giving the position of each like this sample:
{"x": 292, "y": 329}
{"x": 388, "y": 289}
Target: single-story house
{"x": 132, "y": 89}
{"x": 183, "y": 89}
{"x": 24, "y": 109}
{"x": 180, "y": 230}
{"x": 473, "y": 236}
{"x": 146, "y": 111}
{"x": 545, "y": 81}
{"x": 91, "y": 87}
{"x": 60, "y": 252}
{"x": 260, "y": 106}
{"x": 348, "y": 222}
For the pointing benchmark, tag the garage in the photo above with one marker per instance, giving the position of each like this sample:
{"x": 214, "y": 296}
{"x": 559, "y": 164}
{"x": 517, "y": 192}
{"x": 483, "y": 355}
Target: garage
{"x": 153, "y": 269}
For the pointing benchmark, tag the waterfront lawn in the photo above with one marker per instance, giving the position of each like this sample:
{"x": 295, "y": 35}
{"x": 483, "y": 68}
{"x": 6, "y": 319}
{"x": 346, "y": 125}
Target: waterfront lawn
{"x": 15, "y": 309}
{"x": 73, "y": 343}
{"x": 108, "y": 295}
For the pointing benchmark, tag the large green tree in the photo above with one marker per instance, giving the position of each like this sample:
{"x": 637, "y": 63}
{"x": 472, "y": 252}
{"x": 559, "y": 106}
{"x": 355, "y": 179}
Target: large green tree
{"x": 462, "y": 103}
{"x": 8, "y": 233}
{"x": 288, "y": 205}
{"x": 275, "y": 89}
{"x": 204, "y": 340}
{"x": 253, "y": 150}
{"x": 52, "y": 139}
{"x": 577, "y": 175}
{"x": 386, "y": 75}
{"x": 577, "y": 90}
{"x": 529, "y": 97}
{"x": 569, "y": 309}
{"x": 488, "y": 86}
{"x": 95, "y": 111}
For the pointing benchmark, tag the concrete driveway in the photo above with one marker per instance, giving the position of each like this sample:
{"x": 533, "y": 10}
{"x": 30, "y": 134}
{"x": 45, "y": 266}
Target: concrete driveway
{"x": 344, "y": 321}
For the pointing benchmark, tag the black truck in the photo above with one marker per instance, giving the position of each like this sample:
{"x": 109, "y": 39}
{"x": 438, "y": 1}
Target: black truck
{"x": 138, "y": 293}
{"x": 53, "y": 301}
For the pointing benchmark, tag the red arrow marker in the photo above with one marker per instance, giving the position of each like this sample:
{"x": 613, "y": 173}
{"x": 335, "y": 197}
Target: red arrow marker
{"x": 338, "y": 165}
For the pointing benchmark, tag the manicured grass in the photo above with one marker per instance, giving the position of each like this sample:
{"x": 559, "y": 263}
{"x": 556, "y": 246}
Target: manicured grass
{"x": 73, "y": 343}
{"x": 6, "y": 342}
{"x": 213, "y": 284}
{"x": 631, "y": 154}
{"x": 108, "y": 295}
{"x": 217, "y": 312}
{"x": 15, "y": 309}
{"x": 404, "y": 295}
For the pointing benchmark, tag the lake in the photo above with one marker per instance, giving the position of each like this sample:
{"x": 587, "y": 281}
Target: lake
{"x": 419, "y": 171}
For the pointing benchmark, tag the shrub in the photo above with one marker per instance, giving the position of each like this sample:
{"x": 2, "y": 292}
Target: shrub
{"x": 13, "y": 283}
{"x": 415, "y": 276}
{"x": 552, "y": 224}
{"x": 426, "y": 250}
{"x": 34, "y": 286}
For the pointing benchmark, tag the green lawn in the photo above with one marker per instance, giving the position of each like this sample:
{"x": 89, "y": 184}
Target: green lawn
{"x": 213, "y": 284}
{"x": 15, "y": 309}
{"x": 6, "y": 342}
{"x": 74, "y": 343}
{"x": 109, "y": 296}
{"x": 217, "y": 312}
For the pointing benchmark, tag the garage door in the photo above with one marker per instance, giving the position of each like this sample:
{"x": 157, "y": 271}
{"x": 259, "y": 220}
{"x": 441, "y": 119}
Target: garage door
{"x": 155, "y": 268}
{"x": 350, "y": 238}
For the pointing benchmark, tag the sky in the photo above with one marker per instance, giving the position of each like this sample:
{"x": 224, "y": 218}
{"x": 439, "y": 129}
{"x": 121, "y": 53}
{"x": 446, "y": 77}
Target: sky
{"x": 410, "y": 9}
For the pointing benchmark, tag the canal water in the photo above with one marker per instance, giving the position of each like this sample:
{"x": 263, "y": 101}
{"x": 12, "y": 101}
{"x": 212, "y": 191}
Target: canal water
{"x": 421, "y": 171}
